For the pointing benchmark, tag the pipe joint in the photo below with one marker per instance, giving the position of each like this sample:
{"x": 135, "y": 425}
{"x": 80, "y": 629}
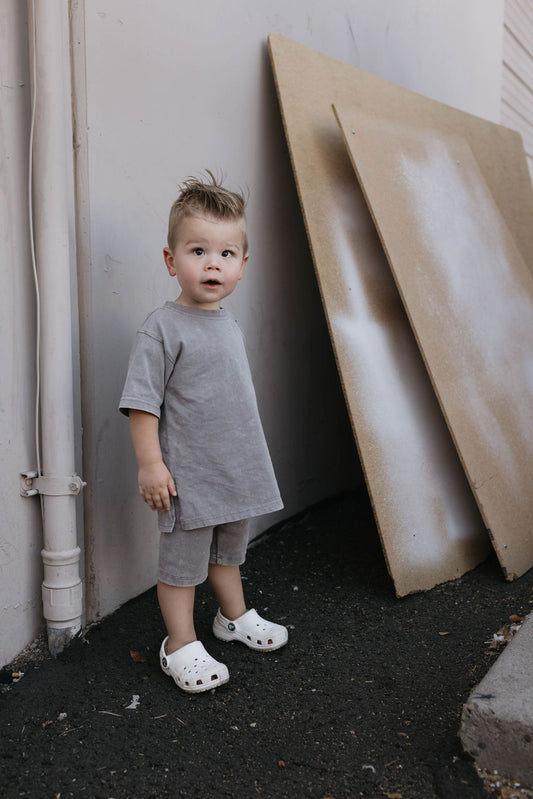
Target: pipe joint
{"x": 63, "y": 606}
{"x": 62, "y": 588}
{"x": 31, "y": 484}
{"x": 62, "y": 557}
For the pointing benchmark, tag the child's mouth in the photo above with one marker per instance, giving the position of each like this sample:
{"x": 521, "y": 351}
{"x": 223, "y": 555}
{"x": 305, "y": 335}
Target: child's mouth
{"x": 212, "y": 282}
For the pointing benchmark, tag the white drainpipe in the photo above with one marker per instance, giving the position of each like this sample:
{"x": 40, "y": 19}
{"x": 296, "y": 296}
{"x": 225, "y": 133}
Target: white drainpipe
{"x": 58, "y": 484}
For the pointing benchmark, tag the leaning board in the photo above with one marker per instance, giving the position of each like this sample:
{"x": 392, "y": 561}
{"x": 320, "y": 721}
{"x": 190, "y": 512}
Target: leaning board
{"x": 469, "y": 296}
{"x": 430, "y": 528}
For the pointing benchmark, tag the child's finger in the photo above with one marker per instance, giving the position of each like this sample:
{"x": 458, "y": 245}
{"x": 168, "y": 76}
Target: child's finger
{"x": 150, "y": 502}
{"x": 147, "y": 496}
{"x": 164, "y": 499}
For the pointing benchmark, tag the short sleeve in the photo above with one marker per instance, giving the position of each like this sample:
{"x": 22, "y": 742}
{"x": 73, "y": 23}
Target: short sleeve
{"x": 145, "y": 381}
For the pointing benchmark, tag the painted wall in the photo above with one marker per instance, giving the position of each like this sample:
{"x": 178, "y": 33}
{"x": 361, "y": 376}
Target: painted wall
{"x": 444, "y": 50}
{"x": 163, "y": 90}
{"x": 172, "y": 88}
{"x": 20, "y": 520}
{"x": 20, "y": 529}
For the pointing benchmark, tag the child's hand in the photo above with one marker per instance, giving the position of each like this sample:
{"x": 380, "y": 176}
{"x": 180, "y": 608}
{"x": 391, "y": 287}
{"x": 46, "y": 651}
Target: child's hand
{"x": 156, "y": 485}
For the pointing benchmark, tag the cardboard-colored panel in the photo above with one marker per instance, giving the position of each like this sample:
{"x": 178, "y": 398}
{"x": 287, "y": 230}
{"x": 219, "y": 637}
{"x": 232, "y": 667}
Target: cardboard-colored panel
{"x": 469, "y": 297}
{"x": 429, "y": 525}
{"x": 307, "y": 77}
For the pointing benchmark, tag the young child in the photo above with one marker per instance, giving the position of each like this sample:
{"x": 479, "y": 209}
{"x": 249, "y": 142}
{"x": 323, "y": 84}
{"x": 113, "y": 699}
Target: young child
{"x": 202, "y": 456}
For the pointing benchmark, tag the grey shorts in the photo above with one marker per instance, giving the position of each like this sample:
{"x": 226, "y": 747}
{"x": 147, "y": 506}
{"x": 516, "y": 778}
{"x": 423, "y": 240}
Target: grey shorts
{"x": 185, "y": 555}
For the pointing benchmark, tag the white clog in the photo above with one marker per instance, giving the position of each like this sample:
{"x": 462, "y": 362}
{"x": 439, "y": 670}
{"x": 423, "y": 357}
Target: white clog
{"x": 192, "y": 668}
{"x": 252, "y": 630}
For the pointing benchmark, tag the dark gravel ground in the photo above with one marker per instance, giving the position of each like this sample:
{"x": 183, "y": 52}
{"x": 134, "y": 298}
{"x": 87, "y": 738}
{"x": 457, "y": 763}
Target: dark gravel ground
{"x": 364, "y": 701}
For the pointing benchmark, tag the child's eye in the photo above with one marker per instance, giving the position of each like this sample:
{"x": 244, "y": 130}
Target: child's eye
{"x": 198, "y": 251}
{"x": 227, "y": 253}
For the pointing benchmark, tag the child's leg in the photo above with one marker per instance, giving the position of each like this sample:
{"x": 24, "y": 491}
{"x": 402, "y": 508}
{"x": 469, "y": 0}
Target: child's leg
{"x": 183, "y": 559}
{"x": 177, "y": 606}
{"x": 233, "y": 622}
{"x": 182, "y": 656}
{"x": 227, "y": 586}
{"x": 228, "y": 547}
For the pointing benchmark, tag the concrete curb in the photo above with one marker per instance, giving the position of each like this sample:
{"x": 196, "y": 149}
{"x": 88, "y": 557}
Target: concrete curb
{"x": 497, "y": 720}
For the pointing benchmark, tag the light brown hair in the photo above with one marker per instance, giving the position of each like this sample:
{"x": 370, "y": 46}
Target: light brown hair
{"x": 201, "y": 198}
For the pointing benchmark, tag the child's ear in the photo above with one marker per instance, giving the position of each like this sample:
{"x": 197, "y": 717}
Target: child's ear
{"x": 169, "y": 261}
{"x": 244, "y": 263}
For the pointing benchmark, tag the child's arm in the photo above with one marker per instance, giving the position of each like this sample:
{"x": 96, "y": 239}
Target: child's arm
{"x": 155, "y": 481}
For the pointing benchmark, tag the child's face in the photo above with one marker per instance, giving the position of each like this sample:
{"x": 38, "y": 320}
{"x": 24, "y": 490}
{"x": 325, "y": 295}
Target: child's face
{"x": 208, "y": 260}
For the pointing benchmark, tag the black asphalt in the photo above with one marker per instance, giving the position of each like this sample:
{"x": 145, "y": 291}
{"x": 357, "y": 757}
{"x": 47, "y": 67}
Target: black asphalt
{"x": 365, "y": 700}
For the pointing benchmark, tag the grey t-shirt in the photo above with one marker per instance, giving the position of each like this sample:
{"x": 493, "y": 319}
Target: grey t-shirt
{"x": 189, "y": 368}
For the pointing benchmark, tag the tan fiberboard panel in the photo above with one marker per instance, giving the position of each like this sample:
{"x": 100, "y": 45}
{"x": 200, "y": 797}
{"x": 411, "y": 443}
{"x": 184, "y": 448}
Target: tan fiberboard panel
{"x": 469, "y": 296}
{"x": 429, "y": 525}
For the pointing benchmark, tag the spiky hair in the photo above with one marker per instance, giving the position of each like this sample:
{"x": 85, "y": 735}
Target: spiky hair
{"x": 206, "y": 198}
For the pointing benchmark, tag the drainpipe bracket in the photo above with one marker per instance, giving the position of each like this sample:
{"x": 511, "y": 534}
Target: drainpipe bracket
{"x": 31, "y": 484}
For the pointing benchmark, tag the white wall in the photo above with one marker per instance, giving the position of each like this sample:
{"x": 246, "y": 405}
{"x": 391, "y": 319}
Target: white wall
{"x": 20, "y": 520}
{"x": 443, "y": 49}
{"x": 163, "y": 90}
{"x": 20, "y": 529}
{"x": 172, "y": 88}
